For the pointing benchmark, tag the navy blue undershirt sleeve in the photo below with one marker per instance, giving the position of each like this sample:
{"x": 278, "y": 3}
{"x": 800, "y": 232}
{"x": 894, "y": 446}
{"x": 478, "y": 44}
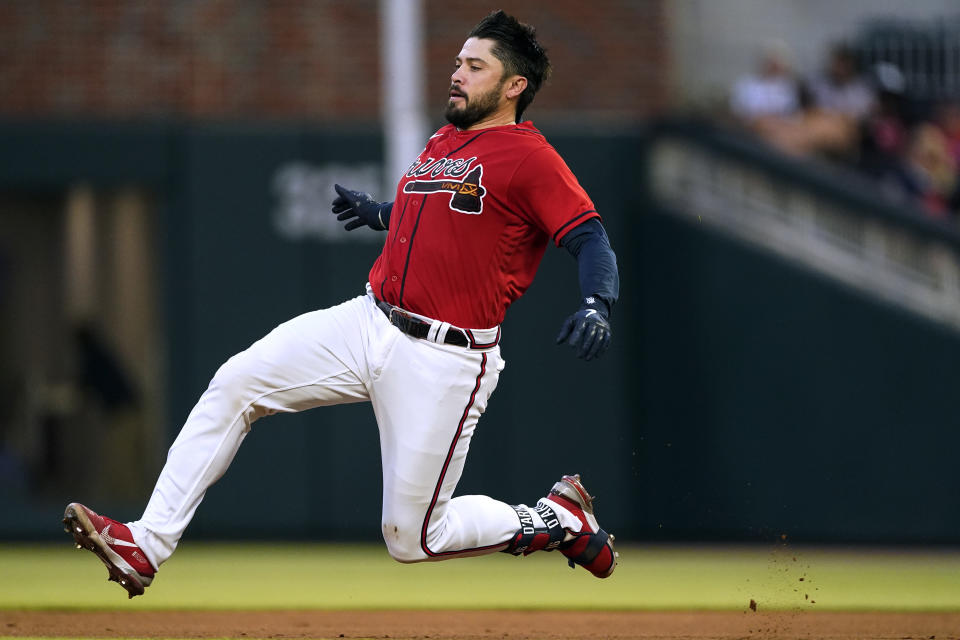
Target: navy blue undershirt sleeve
{"x": 386, "y": 208}
{"x": 597, "y": 263}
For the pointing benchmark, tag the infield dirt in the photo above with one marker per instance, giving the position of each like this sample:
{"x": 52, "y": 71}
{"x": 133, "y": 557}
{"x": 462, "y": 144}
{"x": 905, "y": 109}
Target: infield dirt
{"x": 463, "y": 625}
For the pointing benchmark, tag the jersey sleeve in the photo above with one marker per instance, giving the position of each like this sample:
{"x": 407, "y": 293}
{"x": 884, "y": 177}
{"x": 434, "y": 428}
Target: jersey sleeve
{"x": 546, "y": 194}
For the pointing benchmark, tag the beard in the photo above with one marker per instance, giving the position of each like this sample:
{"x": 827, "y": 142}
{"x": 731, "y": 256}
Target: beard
{"x": 474, "y": 109}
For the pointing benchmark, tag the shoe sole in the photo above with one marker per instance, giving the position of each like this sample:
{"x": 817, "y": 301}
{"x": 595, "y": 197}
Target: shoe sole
{"x": 76, "y": 523}
{"x": 571, "y": 488}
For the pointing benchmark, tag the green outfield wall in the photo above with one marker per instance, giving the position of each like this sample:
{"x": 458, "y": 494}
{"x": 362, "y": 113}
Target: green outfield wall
{"x": 745, "y": 396}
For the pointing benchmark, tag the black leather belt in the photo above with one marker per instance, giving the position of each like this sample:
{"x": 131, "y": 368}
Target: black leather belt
{"x": 416, "y": 327}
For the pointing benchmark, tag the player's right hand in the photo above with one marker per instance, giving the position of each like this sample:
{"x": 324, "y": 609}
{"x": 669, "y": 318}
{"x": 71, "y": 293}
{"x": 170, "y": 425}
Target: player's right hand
{"x": 360, "y": 209}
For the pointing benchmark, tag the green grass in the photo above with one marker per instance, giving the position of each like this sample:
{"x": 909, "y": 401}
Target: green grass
{"x": 325, "y": 576}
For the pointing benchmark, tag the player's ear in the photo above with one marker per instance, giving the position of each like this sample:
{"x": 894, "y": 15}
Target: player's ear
{"x": 515, "y": 86}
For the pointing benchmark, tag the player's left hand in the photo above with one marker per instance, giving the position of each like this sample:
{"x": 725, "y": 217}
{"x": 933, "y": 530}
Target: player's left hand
{"x": 588, "y": 330}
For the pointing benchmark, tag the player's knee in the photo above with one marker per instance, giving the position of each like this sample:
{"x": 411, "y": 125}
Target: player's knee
{"x": 403, "y": 546}
{"x": 404, "y": 555}
{"x": 234, "y": 388}
{"x": 238, "y": 380}
{"x": 233, "y": 372}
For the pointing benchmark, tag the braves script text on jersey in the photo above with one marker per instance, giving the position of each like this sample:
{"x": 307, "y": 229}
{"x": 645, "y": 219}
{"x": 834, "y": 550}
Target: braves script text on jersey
{"x": 471, "y": 220}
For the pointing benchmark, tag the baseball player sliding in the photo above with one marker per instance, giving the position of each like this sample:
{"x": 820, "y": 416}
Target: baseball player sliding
{"x": 471, "y": 220}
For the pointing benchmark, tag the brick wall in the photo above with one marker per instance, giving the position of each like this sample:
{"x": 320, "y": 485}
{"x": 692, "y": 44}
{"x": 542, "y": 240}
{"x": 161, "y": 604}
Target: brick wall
{"x": 319, "y": 60}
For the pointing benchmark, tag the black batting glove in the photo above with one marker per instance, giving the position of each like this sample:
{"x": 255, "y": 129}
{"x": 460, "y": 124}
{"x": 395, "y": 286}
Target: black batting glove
{"x": 362, "y": 207}
{"x": 588, "y": 330}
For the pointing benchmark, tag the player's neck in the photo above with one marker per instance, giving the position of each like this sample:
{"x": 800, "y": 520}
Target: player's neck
{"x": 499, "y": 118}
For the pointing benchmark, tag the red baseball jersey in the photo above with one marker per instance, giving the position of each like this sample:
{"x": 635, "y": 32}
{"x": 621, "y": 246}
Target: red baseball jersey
{"x": 471, "y": 221}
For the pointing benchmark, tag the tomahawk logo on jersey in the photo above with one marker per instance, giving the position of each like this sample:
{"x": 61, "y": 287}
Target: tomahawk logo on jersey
{"x": 466, "y": 195}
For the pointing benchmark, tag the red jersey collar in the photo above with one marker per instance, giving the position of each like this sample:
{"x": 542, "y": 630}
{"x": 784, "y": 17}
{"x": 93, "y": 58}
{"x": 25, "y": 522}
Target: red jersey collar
{"x": 526, "y": 125}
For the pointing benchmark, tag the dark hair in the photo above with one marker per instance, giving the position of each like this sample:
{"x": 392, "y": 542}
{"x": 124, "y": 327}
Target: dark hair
{"x": 516, "y": 47}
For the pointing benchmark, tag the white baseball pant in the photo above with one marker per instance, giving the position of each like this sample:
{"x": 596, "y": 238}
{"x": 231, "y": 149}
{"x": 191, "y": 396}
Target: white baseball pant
{"x": 427, "y": 398}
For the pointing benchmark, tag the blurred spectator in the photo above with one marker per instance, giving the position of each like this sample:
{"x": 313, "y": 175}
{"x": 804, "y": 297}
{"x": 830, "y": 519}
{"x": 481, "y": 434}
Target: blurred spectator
{"x": 948, "y": 119}
{"x": 841, "y": 89}
{"x": 886, "y": 129}
{"x": 841, "y": 98}
{"x": 928, "y": 173}
{"x": 768, "y": 100}
{"x": 771, "y": 90}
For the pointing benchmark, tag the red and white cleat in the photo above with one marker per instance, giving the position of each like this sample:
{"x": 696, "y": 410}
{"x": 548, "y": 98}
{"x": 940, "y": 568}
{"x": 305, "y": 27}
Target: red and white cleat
{"x": 591, "y": 546}
{"x": 113, "y": 544}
